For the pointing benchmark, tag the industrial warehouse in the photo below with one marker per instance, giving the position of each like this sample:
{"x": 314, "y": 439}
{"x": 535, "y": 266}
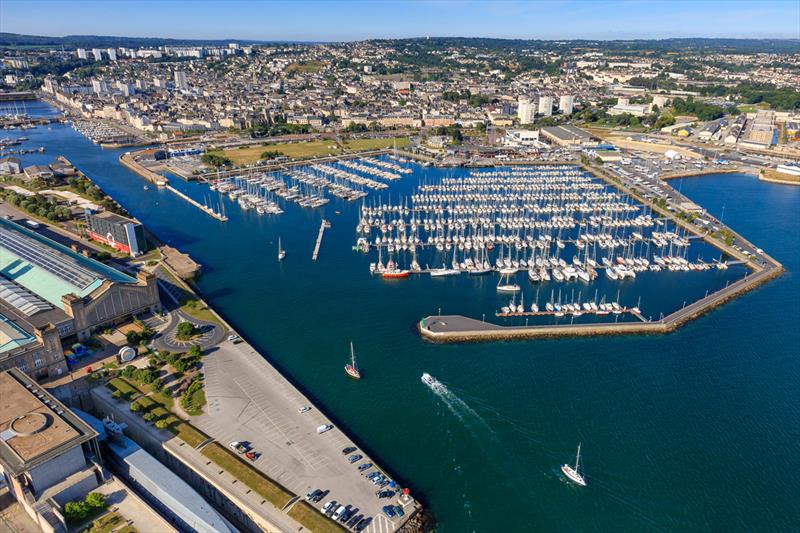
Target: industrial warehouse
{"x": 49, "y": 293}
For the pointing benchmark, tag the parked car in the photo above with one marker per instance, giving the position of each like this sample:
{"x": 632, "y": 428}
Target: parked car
{"x": 353, "y": 458}
{"x": 325, "y": 508}
{"x": 384, "y": 493}
{"x": 304, "y": 409}
{"x": 324, "y": 427}
{"x": 313, "y": 494}
{"x": 339, "y": 512}
{"x": 388, "y": 510}
{"x": 332, "y": 509}
{"x": 363, "y": 524}
{"x": 399, "y": 511}
{"x": 354, "y": 520}
{"x": 349, "y": 449}
{"x": 239, "y": 447}
{"x": 364, "y": 466}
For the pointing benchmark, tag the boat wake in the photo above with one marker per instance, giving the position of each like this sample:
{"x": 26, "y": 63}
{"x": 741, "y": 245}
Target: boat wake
{"x": 466, "y": 414}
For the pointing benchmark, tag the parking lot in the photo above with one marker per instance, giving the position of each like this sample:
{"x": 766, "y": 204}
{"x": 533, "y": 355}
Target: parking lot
{"x": 249, "y": 401}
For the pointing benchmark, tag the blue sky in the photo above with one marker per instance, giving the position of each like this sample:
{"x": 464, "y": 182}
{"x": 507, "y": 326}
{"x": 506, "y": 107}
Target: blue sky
{"x": 313, "y": 20}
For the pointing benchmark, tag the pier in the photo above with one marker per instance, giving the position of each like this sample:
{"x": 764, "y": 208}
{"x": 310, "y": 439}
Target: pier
{"x": 324, "y": 224}
{"x": 201, "y": 207}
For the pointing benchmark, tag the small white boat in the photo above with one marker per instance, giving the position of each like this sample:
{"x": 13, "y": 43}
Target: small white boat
{"x": 281, "y": 251}
{"x": 572, "y": 472}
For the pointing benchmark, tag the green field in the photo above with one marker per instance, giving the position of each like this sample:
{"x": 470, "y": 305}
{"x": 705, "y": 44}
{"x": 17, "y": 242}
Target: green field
{"x": 752, "y": 108}
{"x": 305, "y": 67}
{"x": 312, "y": 519}
{"x": 258, "y": 482}
{"x": 358, "y": 145}
{"x": 309, "y": 149}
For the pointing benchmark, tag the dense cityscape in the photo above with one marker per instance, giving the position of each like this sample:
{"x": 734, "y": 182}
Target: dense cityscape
{"x": 399, "y": 284}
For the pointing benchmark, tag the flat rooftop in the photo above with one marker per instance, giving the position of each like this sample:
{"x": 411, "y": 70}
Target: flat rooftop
{"x": 567, "y": 132}
{"x": 47, "y": 268}
{"x": 34, "y": 426}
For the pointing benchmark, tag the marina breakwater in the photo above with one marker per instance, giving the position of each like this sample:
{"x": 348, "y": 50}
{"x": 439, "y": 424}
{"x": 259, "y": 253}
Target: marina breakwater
{"x": 458, "y": 328}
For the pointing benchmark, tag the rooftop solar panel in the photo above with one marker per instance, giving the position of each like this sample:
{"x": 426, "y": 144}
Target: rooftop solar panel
{"x": 58, "y": 264}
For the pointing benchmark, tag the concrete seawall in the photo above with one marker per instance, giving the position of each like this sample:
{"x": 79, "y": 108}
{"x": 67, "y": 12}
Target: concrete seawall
{"x": 457, "y": 328}
{"x": 128, "y": 161}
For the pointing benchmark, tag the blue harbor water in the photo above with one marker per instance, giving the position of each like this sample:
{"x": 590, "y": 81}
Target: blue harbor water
{"x": 691, "y": 431}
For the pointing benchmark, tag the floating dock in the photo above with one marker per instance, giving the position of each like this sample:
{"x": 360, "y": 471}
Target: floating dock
{"x": 322, "y": 226}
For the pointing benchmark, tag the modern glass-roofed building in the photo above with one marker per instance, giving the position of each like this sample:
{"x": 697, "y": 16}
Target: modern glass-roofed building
{"x": 46, "y": 286}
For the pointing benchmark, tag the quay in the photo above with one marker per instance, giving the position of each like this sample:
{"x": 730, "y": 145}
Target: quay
{"x": 128, "y": 160}
{"x": 205, "y": 209}
{"x": 324, "y": 224}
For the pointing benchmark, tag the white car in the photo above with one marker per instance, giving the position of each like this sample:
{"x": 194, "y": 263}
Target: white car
{"x": 339, "y": 512}
{"x": 304, "y": 409}
{"x": 324, "y": 427}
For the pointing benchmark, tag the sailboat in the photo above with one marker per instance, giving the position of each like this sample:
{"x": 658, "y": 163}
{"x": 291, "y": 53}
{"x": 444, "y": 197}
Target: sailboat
{"x": 281, "y": 251}
{"x": 572, "y": 473}
{"x": 507, "y": 286}
{"x": 351, "y": 368}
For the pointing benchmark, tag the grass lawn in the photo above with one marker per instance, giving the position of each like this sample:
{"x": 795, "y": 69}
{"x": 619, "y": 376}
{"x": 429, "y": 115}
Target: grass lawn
{"x": 258, "y": 482}
{"x": 160, "y": 404}
{"x": 357, "y": 145}
{"x": 109, "y": 522}
{"x": 309, "y": 149}
{"x": 196, "y": 403}
{"x": 312, "y": 519}
{"x": 127, "y": 390}
{"x": 299, "y": 150}
{"x": 191, "y": 305}
{"x": 752, "y": 108}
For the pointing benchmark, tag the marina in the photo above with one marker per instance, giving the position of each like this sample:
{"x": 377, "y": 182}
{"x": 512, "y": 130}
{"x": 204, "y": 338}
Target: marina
{"x": 518, "y": 408}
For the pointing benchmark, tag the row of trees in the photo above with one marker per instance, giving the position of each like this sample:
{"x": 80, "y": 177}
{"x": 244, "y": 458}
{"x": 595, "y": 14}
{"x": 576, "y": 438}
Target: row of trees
{"x": 215, "y": 160}
{"x": 38, "y": 205}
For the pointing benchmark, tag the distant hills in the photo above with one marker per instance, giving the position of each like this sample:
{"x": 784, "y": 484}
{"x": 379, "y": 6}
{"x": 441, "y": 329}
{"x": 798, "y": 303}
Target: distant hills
{"x": 106, "y": 41}
{"x": 707, "y": 45}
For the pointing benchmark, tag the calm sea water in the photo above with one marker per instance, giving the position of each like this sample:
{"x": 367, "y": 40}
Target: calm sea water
{"x": 692, "y": 431}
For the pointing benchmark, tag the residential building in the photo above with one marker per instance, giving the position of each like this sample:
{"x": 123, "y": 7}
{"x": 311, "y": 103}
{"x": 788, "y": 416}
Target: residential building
{"x": 180, "y": 80}
{"x": 116, "y": 231}
{"x": 566, "y": 104}
{"x": 546, "y": 105}
{"x": 525, "y": 110}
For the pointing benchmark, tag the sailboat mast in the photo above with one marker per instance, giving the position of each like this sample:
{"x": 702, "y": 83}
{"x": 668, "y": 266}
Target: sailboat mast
{"x": 578, "y": 457}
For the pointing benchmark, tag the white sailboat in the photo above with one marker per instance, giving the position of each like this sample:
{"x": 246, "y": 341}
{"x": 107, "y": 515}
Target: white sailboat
{"x": 281, "y": 251}
{"x": 572, "y": 473}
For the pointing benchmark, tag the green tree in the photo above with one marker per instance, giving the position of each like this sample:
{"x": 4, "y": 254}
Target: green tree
{"x": 185, "y": 331}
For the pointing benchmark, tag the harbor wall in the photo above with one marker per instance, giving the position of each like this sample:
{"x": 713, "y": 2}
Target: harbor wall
{"x": 669, "y": 324}
{"x": 481, "y": 331}
{"x": 128, "y": 161}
